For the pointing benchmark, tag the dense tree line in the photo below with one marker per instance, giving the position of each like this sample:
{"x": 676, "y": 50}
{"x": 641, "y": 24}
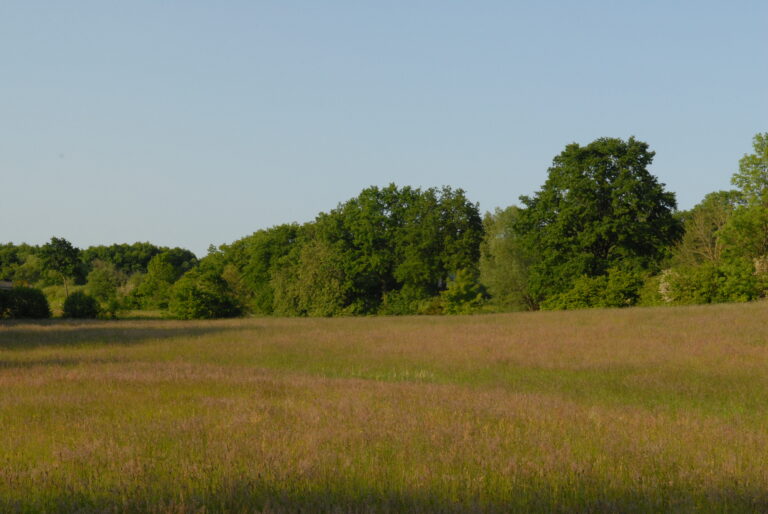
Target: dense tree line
{"x": 117, "y": 277}
{"x": 601, "y": 232}
{"x": 388, "y": 251}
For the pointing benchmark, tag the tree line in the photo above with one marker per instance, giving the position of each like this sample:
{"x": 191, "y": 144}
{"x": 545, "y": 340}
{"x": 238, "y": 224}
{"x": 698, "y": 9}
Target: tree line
{"x": 601, "y": 232}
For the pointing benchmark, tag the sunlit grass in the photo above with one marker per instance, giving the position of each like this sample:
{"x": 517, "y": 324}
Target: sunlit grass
{"x": 604, "y": 410}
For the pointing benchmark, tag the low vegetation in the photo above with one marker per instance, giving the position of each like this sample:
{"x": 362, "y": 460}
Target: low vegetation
{"x": 645, "y": 409}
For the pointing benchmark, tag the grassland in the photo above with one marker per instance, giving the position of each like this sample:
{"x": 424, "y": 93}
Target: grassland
{"x": 604, "y": 410}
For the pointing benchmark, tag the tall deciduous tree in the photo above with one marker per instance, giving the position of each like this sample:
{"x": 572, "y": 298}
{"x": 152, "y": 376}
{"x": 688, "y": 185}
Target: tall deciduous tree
{"x": 599, "y": 208}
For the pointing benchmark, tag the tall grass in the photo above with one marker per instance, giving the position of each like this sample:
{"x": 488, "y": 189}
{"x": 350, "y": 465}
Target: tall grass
{"x": 603, "y": 410}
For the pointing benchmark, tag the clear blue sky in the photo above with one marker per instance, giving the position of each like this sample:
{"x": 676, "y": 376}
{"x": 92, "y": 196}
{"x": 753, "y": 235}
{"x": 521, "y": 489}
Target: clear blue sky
{"x": 189, "y": 123}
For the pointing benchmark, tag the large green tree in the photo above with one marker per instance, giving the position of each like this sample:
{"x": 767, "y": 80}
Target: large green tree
{"x": 599, "y": 208}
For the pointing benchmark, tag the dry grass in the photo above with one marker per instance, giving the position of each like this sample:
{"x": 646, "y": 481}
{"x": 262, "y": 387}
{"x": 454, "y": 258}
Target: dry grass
{"x": 605, "y": 410}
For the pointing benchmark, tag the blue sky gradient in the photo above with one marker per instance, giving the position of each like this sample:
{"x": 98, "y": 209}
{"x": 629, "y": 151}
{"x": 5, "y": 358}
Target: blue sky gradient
{"x": 191, "y": 123}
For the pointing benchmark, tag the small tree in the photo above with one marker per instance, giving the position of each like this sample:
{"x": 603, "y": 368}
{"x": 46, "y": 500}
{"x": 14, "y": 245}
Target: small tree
{"x": 155, "y": 288}
{"x": 103, "y": 281}
{"x": 60, "y": 256}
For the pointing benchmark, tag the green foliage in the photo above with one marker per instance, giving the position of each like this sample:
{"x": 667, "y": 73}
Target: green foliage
{"x": 746, "y": 233}
{"x": 704, "y": 226}
{"x": 503, "y": 262}
{"x": 155, "y": 287}
{"x": 732, "y": 281}
{"x": 23, "y": 302}
{"x": 598, "y": 208}
{"x": 60, "y": 256}
{"x": 752, "y": 177}
{"x": 464, "y": 295}
{"x": 104, "y": 280}
{"x": 127, "y": 258}
{"x": 384, "y": 251}
{"x": 693, "y": 284}
{"x": 32, "y": 271}
{"x": 389, "y": 239}
{"x": 310, "y": 282}
{"x": 620, "y": 287}
{"x": 408, "y": 300}
{"x": 134, "y": 258}
{"x": 719, "y": 259}
{"x": 202, "y": 294}
{"x": 651, "y": 292}
{"x": 739, "y": 281}
{"x": 252, "y": 261}
{"x": 80, "y": 305}
{"x": 104, "y": 283}
{"x": 11, "y": 257}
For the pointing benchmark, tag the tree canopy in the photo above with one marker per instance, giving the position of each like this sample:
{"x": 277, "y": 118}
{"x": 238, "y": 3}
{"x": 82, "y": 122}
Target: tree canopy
{"x": 599, "y": 208}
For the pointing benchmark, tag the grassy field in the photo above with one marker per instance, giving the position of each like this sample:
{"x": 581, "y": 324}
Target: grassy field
{"x": 603, "y": 410}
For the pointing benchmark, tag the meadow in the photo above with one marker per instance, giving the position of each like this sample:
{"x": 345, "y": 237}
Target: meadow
{"x": 630, "y": 410}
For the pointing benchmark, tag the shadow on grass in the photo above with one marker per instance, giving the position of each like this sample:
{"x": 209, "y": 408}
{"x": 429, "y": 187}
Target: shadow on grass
{"x": 30, "y": 335}
{"x": 266, "y": 498}
{"x": 52, "y": 362}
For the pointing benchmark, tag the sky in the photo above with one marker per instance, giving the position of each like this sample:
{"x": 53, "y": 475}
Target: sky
{"x": 190, "y": 123}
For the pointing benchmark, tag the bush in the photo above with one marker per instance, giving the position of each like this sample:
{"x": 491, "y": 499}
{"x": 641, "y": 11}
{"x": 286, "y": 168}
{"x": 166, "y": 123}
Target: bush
{"x": 734, "y": 280}
{"x": 619, "y": 288}
{"x": 80, "y": 305}
{"x": 654, "y": 291}
{"x": 407, "y": 300}
{"x": 586, "y": 292}
{"x": 464, "y": 295}
{"x": 199, "y": 295}
{"x": 23, "y": 302}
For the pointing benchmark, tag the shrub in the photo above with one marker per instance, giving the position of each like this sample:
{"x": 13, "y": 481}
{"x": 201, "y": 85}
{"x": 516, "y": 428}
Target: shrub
{"x": 464, "y": 295}
{"x": 80, "y": 305}
{"x": 734, "y": 280}
{"x": 199, "y": 295}
{"x": 586, "y": 292}
{"x": 619, "y": 288}
{"x": 738, "y": 281}
{"x": 23, "y": 302}
{"x": 654, "y": 291}
{"x": 406, "y": 300}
